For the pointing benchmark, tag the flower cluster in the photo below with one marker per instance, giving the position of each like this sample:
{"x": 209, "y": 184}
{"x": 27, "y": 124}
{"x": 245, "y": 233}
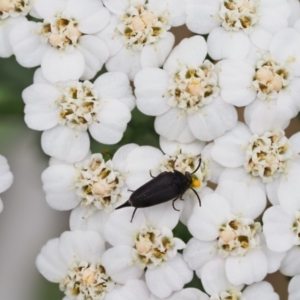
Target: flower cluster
{"x": 121, "y": 246}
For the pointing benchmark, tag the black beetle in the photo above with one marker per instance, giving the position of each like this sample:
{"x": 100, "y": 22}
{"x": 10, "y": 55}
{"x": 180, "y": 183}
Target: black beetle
{"x": 162, "y": 188}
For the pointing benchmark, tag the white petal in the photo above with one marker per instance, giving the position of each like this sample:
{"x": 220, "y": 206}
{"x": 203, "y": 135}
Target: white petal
{"x": 95, "y": 53}
{"x": 155, "y": 55}
{"x": 90, "y": 15}
{"x": 113, "y": 118}
{"x": 27, "y": 45}
{"x": 151, "y": 86}
{"x": 245, "y": 200}
{"x": 272, "y": 191}
{"x": 127, "y": 61}
{"x": 115, "y": 85}
{"x": 189, "y": 294}
{"x": 177, "y": 11}
{"x": 120, "y": 157}
{"x": 277, "y": 228}
{"x": 1, "y": 205}
{"x": 38, "y": 77}
{"x": 215, "y": 284}
{"x": 260, "y": 290}
{"x": 83, "y": 245}
{"x": 252, "y": 267}
{"x": 118, "y": 7}
{"x": 290, "y": 265}
{"x": 213, "y": 120}
{"x": 41, "y": 111}
{"x": 169, "y": 147}
{"x": 119, "y": 230}
{"x": 205, "y": 221}
{"x": 50, "y": 263}
{"x": 295, "y": 13}
{"x": 62, "y": 66}
{"x": 139, "y": 162}
{"x": 65, "y": 144}
{"x": 163, "y": 280}
{"x": 235, "y": 44}
{"x": 6, "y": 177}
{"x": 294, "y": 90}
{"x": 162, "y": 215}
{"x": 294, "y": 291}
{"x": 82, "y": 219}
{"x": 118, "y": 263}
{"x": 170, "y": 124}
{"x": 295, "y": 142}
{"x": 186, "y": 135}
{"x": 198, "y": 253}
{"x": 47, "y": 9}
{"x": 191, "y": 52}
{"x": 286, "y": 46}
{"x": 59, "y": 186}
{"x": 201, "y": 15}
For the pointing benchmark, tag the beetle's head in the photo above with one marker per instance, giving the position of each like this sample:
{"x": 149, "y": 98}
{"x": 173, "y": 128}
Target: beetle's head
{"x": 194, "y": 182}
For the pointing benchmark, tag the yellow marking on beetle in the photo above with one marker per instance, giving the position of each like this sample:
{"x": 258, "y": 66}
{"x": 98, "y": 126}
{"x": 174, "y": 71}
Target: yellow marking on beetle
{"x": 196, "y": 183}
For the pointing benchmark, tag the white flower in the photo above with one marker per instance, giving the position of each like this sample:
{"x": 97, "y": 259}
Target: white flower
{"x": 181, "y": 157}
{"x": 92, "y": 187}
{"x": 75, "y": 262}
{"x": 269, "y": 160}
{"x": 65, "y": 111}
{"x": 237, "y": 23}
{"x": 147, "y": 242}
{"x": 184, "y": 95}
{"x": 64, "y": 44}
{"x": 6, "y": 177}
{"x": 216, "y": 284}
{"x": 225, "y": 228}
{"x": 295, "y": 12}
{"x": 138, "y": 35}
{"x": 268, "y": 83}
{"x": 12, "y": 12}
{"x": 294, "y": 291}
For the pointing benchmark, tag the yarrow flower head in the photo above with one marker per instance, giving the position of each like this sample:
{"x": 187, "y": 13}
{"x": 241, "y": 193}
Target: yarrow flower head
{"x": 262, "y": 160}
{"x": 75, "y": 261}
{"x": 6, "y": 177}
{"x": 147, "y": 242}
{"x": 12, "y": 12}
{"x": 64, "y": 44}
{"x": 184, "y": 96}
{"x": 138, "y": 35}
{"x": 65, "y": 111}
{"x": 238, "y": 23}
{"x": 92, "y": 187}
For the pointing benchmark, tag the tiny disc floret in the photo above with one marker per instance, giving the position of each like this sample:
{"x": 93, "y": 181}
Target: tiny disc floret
{"x": 238, "y": 236}
{"x": 267, "y": 156}
{"x": 153, "y": 247}
{"x": 98, "y": 184}
{"x": 78, "y": 105}
{"x": 191, "y": 88}
{"x": 87, "y": 281}
{"x": 61, "y": 32}
{"x": 270, "y": 78}
{"x": 140, "y": 26}
{"x": 296, "y": 228}
{"x": 239, "y": 14}
{"x": 14, "y": 8}
{"x": 232, "y": 294}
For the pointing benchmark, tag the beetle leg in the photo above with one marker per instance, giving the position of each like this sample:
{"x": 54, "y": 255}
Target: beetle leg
{"x": 151, "y": 174}
{"x": 197, "y": 196}
{"x": 133, "y": 214}
{"x": 181, "y": 197}
{"x": 130, "y": 190}
{"x": 174, "y": 205}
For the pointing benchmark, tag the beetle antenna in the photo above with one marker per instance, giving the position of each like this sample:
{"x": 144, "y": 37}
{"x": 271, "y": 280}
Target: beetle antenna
{"x": 133, "y": 214}
{"x": 200, "y": 161}
{"x": 174, "y": 163}
{"x": 197, "y": 196}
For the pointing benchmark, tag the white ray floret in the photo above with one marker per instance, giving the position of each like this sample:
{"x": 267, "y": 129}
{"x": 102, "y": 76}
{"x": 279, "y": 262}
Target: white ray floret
{"x": 66, "y": 111}
{"x": 294, "y": 291}
{"x": 6, "y": 177}
{"x": 237, "y": 23}
{"x": 138, "y": 34}
{"x": 12, "y": 12}
{"x": 64, "y": 43}
{"x": 176, "y": 156}
{"x": 75, "y": 262}
{"x": 146, "y": 242}
{"x": 184, "y": 96}
{"x": 269, "y": 160}
{"x": 225, "y": 228}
